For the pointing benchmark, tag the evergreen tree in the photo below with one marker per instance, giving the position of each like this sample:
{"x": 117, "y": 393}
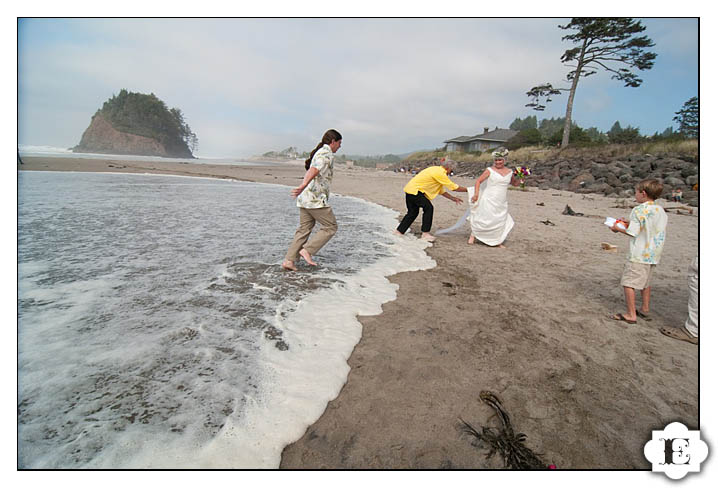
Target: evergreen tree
{"x": 602, "y": 43}
{"x": 668, "y": 133}
{"x": 620, "y": 135}
{"x": 526, "y": 137}
{"x": 522, "y": 124}
{"x": 548, "y": 127}
{"x": 596, "y": 136}
{"x": 687, "y": 118}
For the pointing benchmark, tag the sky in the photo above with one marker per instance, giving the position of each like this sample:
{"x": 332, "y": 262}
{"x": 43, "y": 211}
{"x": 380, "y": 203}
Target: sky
{"x": 388, "y": 85}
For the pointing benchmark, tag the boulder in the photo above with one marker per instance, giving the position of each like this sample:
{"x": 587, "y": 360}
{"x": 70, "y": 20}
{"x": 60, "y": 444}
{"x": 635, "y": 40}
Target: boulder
{"x": 674, "y": 182}
{"x": 642, "y": 170}
{"x": 689, "y": 170}
{"x": 598, "y": 170}
{"x": 582, "y": 180}
{"x": 601, "y": 188}
{"x": 613, "y": 180}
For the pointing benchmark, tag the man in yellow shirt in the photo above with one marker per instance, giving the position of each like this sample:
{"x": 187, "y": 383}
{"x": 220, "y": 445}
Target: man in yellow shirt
{"x": 421, "y": 190}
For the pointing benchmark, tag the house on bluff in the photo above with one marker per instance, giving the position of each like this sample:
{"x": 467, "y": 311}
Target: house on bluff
{"x": 481, "y": 142}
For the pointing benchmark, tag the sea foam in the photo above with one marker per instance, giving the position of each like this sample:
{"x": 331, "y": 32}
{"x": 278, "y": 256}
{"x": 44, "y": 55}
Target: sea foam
{"x": 159, "y": 336}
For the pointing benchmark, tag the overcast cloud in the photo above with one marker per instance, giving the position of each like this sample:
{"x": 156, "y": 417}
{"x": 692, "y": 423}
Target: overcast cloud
{"x": 247, "y": 86}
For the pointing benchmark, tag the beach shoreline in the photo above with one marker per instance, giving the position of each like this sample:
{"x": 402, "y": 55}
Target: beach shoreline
{"x": 529, "y": 323}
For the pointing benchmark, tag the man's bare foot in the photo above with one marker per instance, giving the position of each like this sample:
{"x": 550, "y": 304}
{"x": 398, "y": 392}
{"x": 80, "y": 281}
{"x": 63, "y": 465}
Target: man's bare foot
{"x": 471, "y": 239}
{"x": 428, "y": 237}
{"x": 398, "y": 233}
{"x": 307, "y": 257}
{"x": 289, "y": 265}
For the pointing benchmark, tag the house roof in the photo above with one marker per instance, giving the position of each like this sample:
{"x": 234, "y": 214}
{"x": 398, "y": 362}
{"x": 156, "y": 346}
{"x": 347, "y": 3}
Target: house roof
{"x": 501, "y": 135}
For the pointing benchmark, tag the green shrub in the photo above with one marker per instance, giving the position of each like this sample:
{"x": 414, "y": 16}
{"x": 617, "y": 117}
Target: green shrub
{"x": 526, "y": 137}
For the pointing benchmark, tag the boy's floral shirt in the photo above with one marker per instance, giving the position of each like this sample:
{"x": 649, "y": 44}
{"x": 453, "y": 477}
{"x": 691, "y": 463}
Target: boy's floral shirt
{"x": 647, "y": 225}
{"x": 316, "y": 194}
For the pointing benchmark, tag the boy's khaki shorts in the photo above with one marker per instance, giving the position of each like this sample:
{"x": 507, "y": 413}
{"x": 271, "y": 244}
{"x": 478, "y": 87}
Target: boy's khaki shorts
{"x": 637, "y": 275}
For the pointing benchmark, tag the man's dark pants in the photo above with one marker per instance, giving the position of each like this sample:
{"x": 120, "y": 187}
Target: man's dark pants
{"x": 413, "y": 204}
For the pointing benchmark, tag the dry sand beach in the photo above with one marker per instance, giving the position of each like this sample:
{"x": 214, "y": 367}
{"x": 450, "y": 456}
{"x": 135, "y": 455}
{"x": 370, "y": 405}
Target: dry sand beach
{"x": 529, "y": 323}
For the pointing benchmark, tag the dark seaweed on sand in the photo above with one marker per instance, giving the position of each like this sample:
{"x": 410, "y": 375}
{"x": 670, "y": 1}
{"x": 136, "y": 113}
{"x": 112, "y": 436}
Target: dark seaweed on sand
{"x": 503, "y": 440}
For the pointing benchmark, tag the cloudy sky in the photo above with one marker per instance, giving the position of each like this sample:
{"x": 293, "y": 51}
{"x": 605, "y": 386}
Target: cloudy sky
{"x": 250, "y": 85}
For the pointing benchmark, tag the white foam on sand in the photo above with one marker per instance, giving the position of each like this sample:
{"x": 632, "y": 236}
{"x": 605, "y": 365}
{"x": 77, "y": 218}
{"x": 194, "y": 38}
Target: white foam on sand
{"x": 322, "y": 331}
{"x": 135, "y": 353}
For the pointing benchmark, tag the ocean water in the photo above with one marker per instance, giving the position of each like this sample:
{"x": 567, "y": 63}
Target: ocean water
{"x": 55, "y": 152}
{"x": 156, "y": 328}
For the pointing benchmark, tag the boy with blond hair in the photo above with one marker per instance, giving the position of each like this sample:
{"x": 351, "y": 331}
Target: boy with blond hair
{"x": 647, "y": 229}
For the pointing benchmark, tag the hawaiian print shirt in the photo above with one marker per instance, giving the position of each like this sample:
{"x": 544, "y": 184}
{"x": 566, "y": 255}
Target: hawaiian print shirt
{"x": 316, "y": 194}
{"x": 647, "y": 225}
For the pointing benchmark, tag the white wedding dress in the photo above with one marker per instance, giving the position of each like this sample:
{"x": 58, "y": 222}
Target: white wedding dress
{"x": 489, "y": 217}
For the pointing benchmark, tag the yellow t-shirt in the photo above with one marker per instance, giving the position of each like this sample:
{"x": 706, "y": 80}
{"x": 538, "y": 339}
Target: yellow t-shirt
{"x": 430, "y": 181}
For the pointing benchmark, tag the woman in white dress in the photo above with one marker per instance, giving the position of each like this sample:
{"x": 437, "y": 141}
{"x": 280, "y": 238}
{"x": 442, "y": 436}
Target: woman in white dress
{"x": 490, "y": 219}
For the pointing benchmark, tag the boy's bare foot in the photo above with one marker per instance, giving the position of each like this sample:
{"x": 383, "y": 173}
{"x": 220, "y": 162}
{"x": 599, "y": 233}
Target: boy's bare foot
{"x": 471, "y": 239}
{"x": 307, "y": 257}
{"x": 289, "y": 265}
{"x": 428, "y": 237}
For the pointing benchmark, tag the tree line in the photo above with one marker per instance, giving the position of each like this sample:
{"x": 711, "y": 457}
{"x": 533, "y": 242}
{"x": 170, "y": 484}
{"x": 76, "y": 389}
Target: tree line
{"x": 550, "y": 132}
{"x": 146, "y": 115}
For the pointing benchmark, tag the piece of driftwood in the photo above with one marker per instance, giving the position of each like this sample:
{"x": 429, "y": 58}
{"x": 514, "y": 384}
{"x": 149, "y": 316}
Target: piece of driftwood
{"x": 570, "y": 212}
{"x": 503, "y": 440}
{"x": 689, "y": 210}
{"x": 609, "y": 247}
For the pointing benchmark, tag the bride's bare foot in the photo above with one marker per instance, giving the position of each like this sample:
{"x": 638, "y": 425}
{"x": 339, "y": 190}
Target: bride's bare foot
{"x": 307, "y": 257}
{"x": 499, "y": 246}
{"x": 471, "y": 239}
{"x": 289, "y": 265}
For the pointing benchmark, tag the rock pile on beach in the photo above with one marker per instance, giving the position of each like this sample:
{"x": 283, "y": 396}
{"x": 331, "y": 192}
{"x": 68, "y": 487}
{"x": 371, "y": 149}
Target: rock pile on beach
{"x": 617, "y": 177}
{"x": 609, "y": 176}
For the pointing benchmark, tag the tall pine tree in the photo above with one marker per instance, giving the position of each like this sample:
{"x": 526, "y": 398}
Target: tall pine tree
{"x": 687, "y": 118}
{"x": 608, "y": 43}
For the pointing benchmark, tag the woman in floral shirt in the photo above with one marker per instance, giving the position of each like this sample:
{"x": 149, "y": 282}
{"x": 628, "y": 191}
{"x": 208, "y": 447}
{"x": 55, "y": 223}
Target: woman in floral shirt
{"x": 313, "y": 202}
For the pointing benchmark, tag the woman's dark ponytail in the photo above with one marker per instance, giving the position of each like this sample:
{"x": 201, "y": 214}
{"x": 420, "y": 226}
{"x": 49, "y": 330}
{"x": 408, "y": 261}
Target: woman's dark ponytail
{"x": 330, "y": 136}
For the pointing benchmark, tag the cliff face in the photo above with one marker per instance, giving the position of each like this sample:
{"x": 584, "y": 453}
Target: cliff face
{"x": 101, "y": 137}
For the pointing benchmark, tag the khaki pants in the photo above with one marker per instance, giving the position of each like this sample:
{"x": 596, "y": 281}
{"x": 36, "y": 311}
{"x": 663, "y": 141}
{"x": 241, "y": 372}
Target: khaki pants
{"x": 307, "y": 219}
{"x": 692, "y": 321}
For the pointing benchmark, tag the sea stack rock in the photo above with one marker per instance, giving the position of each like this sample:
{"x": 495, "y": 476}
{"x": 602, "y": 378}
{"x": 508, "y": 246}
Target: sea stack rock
{"x": 138, "y": 124}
